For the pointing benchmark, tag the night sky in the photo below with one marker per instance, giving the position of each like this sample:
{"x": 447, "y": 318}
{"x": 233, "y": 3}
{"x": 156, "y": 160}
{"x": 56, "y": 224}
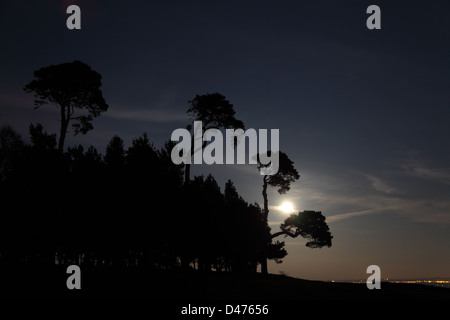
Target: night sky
{"x": 364, "y": 114}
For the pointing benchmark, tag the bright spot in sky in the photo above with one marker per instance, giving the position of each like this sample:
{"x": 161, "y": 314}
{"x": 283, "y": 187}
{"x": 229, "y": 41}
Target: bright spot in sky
{"x": 287, "y": 207}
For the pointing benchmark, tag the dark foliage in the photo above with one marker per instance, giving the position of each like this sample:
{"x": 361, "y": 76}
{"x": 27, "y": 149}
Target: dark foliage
{"x": 310, "y": 225}
{"x": 126, "y": 209}
{"x": 72, "y": 87}
{"x": 215, "y": 111}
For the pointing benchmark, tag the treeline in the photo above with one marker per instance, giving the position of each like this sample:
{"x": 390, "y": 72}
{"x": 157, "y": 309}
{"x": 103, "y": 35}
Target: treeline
{"x": 127, "y": 208}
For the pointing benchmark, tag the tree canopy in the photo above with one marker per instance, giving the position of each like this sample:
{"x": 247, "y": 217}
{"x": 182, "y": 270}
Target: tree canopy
{"x": 73, "y": 87}
{"x": 308, "y": 224}
{"x": 286, "y": 174}
{"x": 215, "y": 111}
{"x": 130, "y": 206}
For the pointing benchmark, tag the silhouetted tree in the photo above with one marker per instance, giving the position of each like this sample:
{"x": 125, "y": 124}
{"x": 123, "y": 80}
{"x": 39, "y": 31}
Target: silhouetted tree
{"x": 71, "y": 86}
{"x": 40, "y": 139}
{"x": 245, "y": 233}
{"x": 86, "y": 192}
{"x": 210, "y": 207}
{"x": 173, "y": 173}
{"x": 234, "y": 244}
{"x": 11, "y": 149}
{"x": 41, "y": 177}
{"x": 282, "y": 180}
{"x": 308, "y": 224}
{"x": 215, "y": 111}
{"x": 116, "y": 175}
{"x": 45, "y": 164}
{"x": 141, "y": 153}
{"x": 115, "y": 153}
{"x": 112, "y": 211}
{"x": 275, "y": 251}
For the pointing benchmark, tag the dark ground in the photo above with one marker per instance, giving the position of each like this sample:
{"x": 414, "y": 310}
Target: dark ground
{"x": 193, "y": 286}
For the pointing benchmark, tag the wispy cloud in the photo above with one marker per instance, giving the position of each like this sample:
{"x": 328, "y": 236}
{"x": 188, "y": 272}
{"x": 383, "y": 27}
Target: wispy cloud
{"x": 164, "y": 107}
{"x": 149, "y": 115}
{"x": 348, "y": 215}
{"x": 381, "y": 185}
{"x": 419, "y": 170}
{"x": 355, "y": 194}
{"x": 420, "y": 210}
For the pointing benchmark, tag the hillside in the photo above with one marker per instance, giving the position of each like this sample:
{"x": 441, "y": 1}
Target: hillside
{"x": 194, "y": 286}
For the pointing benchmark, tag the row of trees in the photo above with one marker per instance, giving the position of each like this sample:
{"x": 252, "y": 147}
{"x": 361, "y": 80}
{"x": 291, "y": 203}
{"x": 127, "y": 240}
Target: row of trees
{"x": 131, "y": 207}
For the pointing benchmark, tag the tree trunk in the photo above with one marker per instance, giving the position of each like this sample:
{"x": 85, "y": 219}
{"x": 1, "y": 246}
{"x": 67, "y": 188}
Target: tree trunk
{"x": 187, "y": 169}
{"x": 64, "y": 124}
{"x": 62, "y": 137}
{"x": 187, "y": 173}
{"x": 266, "y": 203}
{"x": 264, "y": 266}
{"x": 266, "y": 214}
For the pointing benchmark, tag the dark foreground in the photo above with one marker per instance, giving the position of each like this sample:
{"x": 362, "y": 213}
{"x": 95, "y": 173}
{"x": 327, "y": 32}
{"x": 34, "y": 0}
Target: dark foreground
{"x": 193, "y": 286}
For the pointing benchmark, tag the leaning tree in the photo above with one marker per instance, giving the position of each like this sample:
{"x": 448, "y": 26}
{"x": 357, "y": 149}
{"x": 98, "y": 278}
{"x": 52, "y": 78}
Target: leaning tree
{"x": 282, "y": 180}
{"x": 310, "y": 225}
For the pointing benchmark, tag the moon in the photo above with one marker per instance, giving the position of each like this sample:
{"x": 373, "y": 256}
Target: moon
{"x": 287, "y": 207}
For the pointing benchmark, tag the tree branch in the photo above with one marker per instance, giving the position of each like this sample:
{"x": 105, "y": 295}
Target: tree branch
{"x": 285, "y": 232}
